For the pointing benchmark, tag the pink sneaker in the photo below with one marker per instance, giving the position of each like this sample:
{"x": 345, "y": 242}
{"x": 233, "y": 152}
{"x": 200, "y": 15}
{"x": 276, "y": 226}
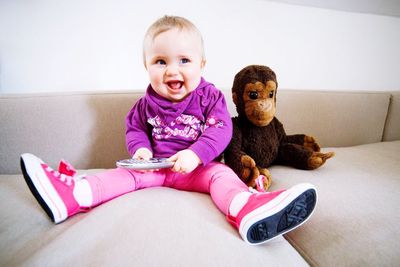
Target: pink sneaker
{"x": 268, "y": 215}
{"x": 52, "y": 189}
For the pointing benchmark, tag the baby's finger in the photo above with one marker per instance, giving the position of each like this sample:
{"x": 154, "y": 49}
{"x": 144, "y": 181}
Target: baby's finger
{"x": 176, "y": 167}
{"x": 173, "y": 158}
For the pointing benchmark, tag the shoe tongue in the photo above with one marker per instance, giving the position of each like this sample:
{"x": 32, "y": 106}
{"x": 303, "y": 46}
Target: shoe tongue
{"x": 66, "y": 168}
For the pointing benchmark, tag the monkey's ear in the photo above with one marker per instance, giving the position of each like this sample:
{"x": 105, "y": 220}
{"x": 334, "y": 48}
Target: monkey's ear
{"x": 234, "y": 98}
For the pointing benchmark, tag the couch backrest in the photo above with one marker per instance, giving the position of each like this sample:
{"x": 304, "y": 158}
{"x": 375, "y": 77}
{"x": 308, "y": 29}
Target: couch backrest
{"x": 338, "y": 118}
{"x": 88, "y": 129}
{"x": 335, "y": 118}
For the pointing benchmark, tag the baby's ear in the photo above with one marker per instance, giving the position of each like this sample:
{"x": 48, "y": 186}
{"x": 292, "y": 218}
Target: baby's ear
{"x": 144, "y": 63}
{"x": 203, "y": 63}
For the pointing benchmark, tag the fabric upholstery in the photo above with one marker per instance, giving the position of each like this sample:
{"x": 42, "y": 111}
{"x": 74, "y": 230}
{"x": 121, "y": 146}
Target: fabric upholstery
{"x": 88, "y": 129}
{"x": 149, "y": 227}
{"x": 392, "y": 127}
{"x": 335, "y": 119}
{"x": 356, "y": 222}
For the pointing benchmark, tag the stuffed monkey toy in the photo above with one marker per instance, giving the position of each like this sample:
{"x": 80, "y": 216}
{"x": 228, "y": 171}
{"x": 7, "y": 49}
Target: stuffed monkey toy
{"x": 259, "y": 138}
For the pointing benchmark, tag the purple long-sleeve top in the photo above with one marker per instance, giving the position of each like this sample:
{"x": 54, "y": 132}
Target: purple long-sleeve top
{"x": 200, "y": 122}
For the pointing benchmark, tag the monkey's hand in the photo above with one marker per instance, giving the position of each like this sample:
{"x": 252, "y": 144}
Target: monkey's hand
{"x": 310, "y": 143}
{"x": 248, "y": 164}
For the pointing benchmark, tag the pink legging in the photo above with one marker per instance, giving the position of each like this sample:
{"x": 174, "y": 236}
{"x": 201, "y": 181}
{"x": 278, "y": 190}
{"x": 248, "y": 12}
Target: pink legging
{"x": 215, "y": 179}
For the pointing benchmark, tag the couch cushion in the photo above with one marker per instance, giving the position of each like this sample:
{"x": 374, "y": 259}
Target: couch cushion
{"x": 392, "y": 126}
{"x": 356, "y": 221}
{"x": 150, "y": 227}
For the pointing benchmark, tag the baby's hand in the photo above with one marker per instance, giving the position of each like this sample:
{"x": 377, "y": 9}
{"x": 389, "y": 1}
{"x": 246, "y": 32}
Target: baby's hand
{"x": 185, "y": 161}
{"x": 143, "y": 153}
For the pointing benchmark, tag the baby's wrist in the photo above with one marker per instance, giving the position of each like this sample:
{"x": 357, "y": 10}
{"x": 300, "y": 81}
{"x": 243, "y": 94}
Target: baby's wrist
{"x": 196, "y": 158}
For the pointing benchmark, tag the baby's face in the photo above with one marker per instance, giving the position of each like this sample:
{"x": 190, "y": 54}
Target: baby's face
{"x": 174, "y": 62}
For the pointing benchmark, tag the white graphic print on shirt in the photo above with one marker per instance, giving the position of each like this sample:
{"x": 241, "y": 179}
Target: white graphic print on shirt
{"x": 187, "y": 126}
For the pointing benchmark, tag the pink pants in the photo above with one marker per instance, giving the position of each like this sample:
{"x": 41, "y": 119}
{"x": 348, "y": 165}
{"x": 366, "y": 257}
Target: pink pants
{"x": 215, "y": 179}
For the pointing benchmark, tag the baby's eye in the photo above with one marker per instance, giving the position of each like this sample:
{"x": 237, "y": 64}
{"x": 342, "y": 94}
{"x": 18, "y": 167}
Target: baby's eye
{"x": 160, "y": 62}
{"x": 185, "y": 60}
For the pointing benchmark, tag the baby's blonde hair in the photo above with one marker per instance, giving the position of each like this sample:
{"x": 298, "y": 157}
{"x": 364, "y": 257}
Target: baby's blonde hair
{"x": 167, "y": 23}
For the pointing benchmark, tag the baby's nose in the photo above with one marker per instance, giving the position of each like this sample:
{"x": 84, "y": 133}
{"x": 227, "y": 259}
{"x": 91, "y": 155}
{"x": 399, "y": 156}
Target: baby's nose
{"x": 171, "y": 70}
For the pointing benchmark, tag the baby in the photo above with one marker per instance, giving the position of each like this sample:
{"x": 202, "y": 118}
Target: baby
{"x": 184, "y": 118}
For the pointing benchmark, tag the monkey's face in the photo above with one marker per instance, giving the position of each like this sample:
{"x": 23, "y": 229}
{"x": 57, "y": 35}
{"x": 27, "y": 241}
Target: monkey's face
{"x": 259, "y": 102}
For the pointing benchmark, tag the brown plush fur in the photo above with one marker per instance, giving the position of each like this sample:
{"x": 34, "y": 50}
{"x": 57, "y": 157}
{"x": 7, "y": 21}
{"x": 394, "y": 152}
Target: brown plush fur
{"x": 259, "y": 139}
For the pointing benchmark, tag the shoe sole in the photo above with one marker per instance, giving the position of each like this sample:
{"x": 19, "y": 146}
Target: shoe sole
{"x": 48, "y": 199}
{"x": 285, "y": 213}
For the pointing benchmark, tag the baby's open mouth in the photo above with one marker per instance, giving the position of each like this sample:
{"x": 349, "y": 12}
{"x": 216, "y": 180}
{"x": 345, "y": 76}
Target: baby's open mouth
{"x": 175, "y": 85}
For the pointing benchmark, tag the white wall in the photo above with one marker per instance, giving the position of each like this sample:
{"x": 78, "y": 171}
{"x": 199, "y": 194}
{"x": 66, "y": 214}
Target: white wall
{"x": 80, "y": 45}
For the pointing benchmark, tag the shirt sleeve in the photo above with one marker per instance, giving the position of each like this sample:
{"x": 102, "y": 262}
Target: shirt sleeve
{"x": 137, "y": 131}
{"x": 217, "y": 131}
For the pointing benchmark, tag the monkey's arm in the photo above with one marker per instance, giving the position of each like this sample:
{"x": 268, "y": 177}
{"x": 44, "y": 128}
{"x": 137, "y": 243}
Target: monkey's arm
{"x": 235, "y": 157}
{"x": 298, "y": 139}
{"x": 299, "y": 150}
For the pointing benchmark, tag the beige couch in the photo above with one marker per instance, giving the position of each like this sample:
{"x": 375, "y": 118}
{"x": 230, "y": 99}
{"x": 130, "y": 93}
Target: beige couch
{"x": 355, "y": 222}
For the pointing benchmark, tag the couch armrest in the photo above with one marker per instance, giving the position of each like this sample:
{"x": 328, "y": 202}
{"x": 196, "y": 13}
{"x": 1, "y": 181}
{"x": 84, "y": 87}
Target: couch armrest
{"x": 392, "y": 125}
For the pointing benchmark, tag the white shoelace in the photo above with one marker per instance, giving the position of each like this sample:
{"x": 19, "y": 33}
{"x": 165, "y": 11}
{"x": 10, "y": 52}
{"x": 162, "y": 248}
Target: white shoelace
{"x": 62, "y": 177}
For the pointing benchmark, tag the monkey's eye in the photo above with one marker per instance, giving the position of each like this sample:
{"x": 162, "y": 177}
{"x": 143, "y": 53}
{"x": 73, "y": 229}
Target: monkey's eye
{"x": 271, "y": 94}
{"x": 253, "y": 95}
